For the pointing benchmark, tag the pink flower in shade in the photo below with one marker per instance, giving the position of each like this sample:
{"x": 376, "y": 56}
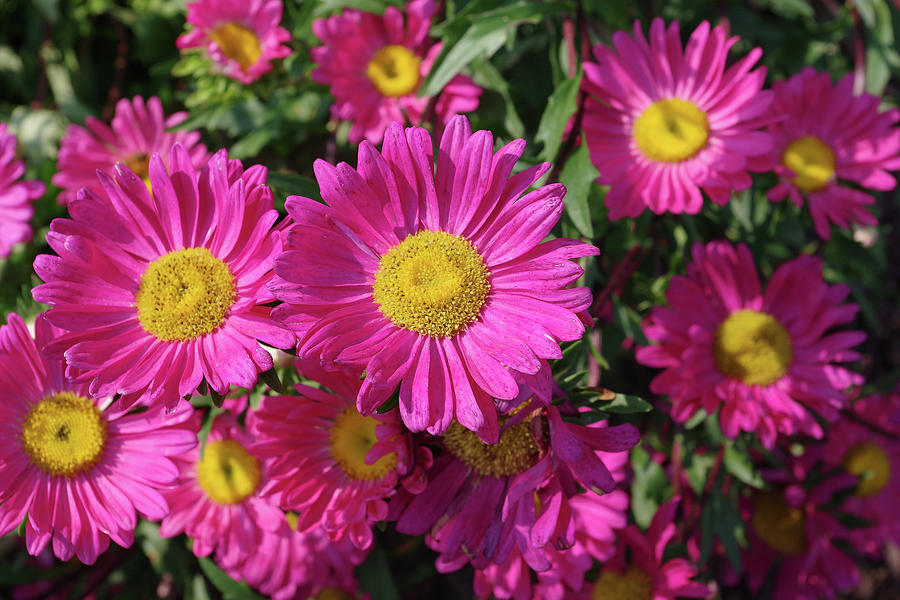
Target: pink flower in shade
{"x": 796, "y": 528}
{"x": 218, "y": 501}
{"x": 642, "y": 572}
{"x": 241, "y": 37}
{"x": 161, "y": 291}
{"x": 596, "y": 520}
{"x": 15, "y": 196}
{"x": 483, "y": 500}
{"x": 289, "y": 564}
{"x": 329, "y": 464}
{"x": 433, "y": 278}
{"x": 844, "y": 137}
{"x": 767, "y": 359}
{"x": 79, "y": 470}
{"x": 375, "y": 64}
{"x": 662, "y": 123}
{"x": 138, "y": 130}
{"x": 875, "y": 459}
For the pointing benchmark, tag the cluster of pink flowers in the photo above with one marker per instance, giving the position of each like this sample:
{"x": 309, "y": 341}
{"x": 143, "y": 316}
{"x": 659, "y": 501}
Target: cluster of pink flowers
{"x": 423, "y": 302}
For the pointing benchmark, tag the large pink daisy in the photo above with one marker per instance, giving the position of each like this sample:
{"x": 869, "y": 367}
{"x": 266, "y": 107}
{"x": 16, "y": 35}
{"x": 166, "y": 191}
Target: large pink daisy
{"x": 138, "y": 130}
{"x": 77, "y": 469}
{"x": 241, "y": 37}
{"x": 329, "y": 464}
{"x": 845, "y": 137}
{"x": 161, "y": 291}
{"x": 767, "y": 359}
{"x": 433, "y": 278}
{"x": 374, "y": 65}
{"x": 663, "y": 123}
{"x": 16, "y": 197}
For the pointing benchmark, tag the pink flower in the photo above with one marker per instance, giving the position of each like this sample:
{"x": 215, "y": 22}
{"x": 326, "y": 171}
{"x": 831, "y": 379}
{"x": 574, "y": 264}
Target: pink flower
{"x": 161, "y": 291}
{"x": 433, "y": 278}
{"x": 138, "y": 131}
{"x": 482, "y": 500}
{"x": 242, "y": 38}
{"x": 329, "y": 464}
{"x": 766, "y": 358}
{"x": 845, "y": 138}
{"x": 642, "y": 572}
{"x": 662, "y": 123}
{"x": 15, "y": 196}
{"x": 79, "y": 470}
{"x": 218, "y": 501}
{"x": 375, "y": 64}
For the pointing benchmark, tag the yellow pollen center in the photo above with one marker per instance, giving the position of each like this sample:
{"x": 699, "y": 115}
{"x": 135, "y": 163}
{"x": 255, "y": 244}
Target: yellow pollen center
{"x": 812, "y": 161}
{"x": 237, "y": 42}
{"x": 753, "y": 347}
{"x": 869, "y": 462}
{"x": 351, "y": 437}
{"x": 292, "y": 519}
{"x": 634, "y": 584}
{"x": 64, "y": 434}
{"x": 671, "y": 130}
{"x": 227, "y": 472}
{"x": 331, "y": 593}
{"x": 184, "y": 294}
{"x": 780, "y": 526}
{"x": 140, "y": 164}
{"x": 515, "y": 452}
{"x": 433, "y": 282}
{"x": 394, "y": 71}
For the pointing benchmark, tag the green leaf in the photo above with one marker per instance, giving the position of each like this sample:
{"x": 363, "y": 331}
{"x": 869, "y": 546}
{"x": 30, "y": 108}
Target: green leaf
{"x": 560, "y": 108}
{"x": 721, "y": 519}
{"x": 624, "y": 404}
{"x": 374, "y": 576}
{"x": 290, "y": 184}
{"x": 578, "y": 175}
{"x": 231, "y": 589}
{"x": 738, "y": 462}
{"x": 487, "y": 76}
{"x": 629, "y": 321}
{"x": 650, "y": 488}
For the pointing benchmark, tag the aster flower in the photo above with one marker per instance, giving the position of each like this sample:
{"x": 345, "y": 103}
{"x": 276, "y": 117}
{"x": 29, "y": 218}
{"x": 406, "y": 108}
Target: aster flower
{"x": 795, "y": 526}
{"x": 242, "y": 38}
{"x": 765, "y": 358}
{"x": 875, "y": 459}
{"x": 844, "y": 138}
{"x": 15, "y": 196}
{"x": 433, "y": 278}
{"x": 374, "y": 65}
{"x": 79, "y": 470}
{"x": 161, "y": 291}
{"x": 218, "y": 501}
{"x": 328, "y": 463}
{"x": 662, "y": 123}
{"x": 643, "y": 573}
{"x": 483, "y": 500}
{"x": 137, "y": 131}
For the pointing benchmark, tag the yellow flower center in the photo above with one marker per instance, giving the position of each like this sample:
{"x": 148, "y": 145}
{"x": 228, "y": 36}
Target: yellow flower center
{"x": 634, "y": 584}
{"x": 870, "y": 463}
{"x": 330, "y": 593}
{"x": 237, "y": 42}
{"x": 184, "y": 294}
{"x": 812, "y": 161}
{"x": 433, "y": 282}
{"x": 753, "y": 347}
{"x": 671, "y": 130}
{"x": 64, "y": 434}
{"x": 394, "y": 71}
{"x": 227, "y": 472}
{"x": 780, "y": 526}
{"x": 515, "y": 452}
{"x": 292, "y": 519}
{"x": 350, "y": 439}
{"x": 140, "y": 164}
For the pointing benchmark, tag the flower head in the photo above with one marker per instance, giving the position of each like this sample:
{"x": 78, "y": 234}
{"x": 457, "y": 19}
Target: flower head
{"x": 137, "y": 131}
{"x": 767, "y": 358}
{"x": 161, "y": 291}
{"x": 844, "y": 138}
{"x": 79, "y": 470}
{"x": 242, "y": 38}
{"x": 15, "y": 196}
{"x": 663, "y": 123}
{"x": 433, "y": 278}
{"x": 375, "y": 64}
